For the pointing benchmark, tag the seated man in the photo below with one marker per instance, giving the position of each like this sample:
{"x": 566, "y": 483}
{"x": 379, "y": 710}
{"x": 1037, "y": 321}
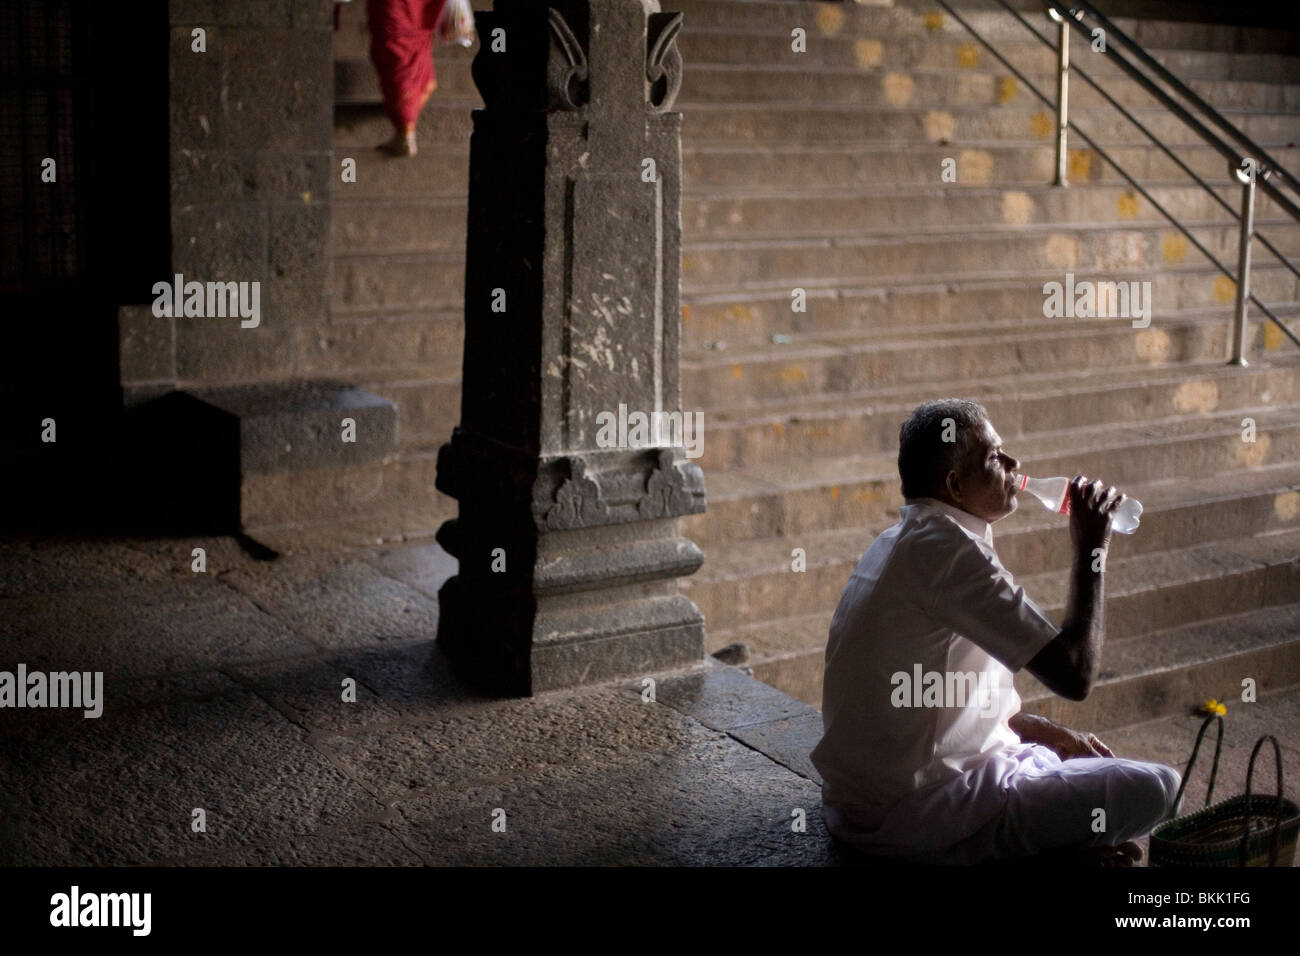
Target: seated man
{"x": 925, "y": 754}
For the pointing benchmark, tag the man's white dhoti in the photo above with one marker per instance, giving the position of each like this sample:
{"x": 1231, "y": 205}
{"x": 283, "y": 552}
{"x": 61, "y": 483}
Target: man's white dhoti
{"x": 1023, "y": 801}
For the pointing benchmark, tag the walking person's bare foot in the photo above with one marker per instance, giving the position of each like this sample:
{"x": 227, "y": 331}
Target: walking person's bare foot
{"x": 402, "y": 143}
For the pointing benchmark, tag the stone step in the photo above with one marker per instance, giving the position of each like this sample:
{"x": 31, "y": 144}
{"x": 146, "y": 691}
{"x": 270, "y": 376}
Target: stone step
{"x": 990, "y": 86}
{"x": 1206, "y": 584}
{"x": 437, "y": 224}
{"x": 427, "y": 409}
{"x": 867, "y": 422}
{"x": 428, "y": 396}
{"x": 962, "y": 125}
{"x": 405, "y": 281}
{"x": 788, "y": 652}
{"x": 415, "y": 362}
{"x": 720, "y": 321}
{"x": 757, "y": 581}
{"x": 440, "y": 170}
{"x": 432, "y": 224}
{"x": 830, "y": 25}
{"x": 413, "y": 358}
{"x": 437, "y": 171}
{"x": 1145, "y": 22}
{"x": 447, "y": 119}
{"x": 1193, "y": 65}
{"x": 823, "y": 20}
{"x": 867, "y": 52}
{"x": 1108, "y": 250}
{"x": 351, "y": 506}
{"x": 960, "y": 252}
{"x": 958, "y": 82}
{"x": 1161, "y": 674}
{"x": 400, "y": 524}
{"x": 425, "y": 383}
{"x": 1260, "y": 646}
{"x": 792, "y": 213}
{"x": 805, "y": 370}
{"x": 818, "y": 20}
{"x": 393, "y": 346}
{"x": 707, "y": 164}
{"x": 1174, "y": 670}
{"x": 769, "y": 501}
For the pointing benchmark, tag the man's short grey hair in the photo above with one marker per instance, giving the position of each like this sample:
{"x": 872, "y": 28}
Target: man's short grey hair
{"x": 924, "y": 458}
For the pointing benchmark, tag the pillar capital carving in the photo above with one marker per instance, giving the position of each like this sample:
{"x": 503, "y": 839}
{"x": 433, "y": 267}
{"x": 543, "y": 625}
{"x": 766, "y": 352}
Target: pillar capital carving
{"x": 583, "y": 55}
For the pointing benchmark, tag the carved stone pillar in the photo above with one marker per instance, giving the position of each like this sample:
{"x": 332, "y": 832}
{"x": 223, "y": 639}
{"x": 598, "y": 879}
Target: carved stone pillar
{"x": 569, "y": 548}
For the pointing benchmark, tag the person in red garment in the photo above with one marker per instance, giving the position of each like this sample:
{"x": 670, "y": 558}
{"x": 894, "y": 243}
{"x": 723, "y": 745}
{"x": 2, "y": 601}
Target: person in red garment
{"x": 401, "y": 47}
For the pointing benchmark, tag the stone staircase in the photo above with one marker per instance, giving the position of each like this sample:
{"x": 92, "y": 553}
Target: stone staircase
{"x": 820, "y": 171}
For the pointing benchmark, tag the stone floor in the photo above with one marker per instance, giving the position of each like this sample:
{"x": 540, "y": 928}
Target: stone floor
{"x": 224, "y": 692}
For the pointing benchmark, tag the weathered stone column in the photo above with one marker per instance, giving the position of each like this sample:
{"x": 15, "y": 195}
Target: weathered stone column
{"x": 569, "y": 550}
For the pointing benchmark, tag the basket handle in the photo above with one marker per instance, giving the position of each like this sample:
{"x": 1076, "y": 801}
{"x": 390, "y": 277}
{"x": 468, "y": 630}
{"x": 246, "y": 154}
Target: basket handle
{"x": 1277, "y": 823}
{"x": 1214, "y": 768}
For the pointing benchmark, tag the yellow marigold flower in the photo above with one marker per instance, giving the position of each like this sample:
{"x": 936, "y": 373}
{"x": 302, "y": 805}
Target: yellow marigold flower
{"x": 1212, "y": 706}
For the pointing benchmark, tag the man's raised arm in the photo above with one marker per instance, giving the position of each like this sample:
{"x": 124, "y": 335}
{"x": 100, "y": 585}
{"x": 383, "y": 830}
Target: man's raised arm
{"x": 1068, "y": 665}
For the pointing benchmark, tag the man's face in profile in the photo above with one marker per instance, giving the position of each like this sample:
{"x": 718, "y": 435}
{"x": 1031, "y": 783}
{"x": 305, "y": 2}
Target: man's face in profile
{"x": 988, "y": 489}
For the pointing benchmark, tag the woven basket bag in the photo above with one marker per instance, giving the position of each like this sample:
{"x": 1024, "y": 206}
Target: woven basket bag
{"x": 1249, "y": 830}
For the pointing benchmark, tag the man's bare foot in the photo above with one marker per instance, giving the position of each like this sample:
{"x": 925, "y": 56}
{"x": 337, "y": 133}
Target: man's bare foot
{"x": 1123, "y": 854}
{"x": 402, "y": 144}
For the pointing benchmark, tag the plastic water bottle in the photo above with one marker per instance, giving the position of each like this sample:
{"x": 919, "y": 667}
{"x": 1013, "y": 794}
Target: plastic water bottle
{"x": 1053, "y": 493}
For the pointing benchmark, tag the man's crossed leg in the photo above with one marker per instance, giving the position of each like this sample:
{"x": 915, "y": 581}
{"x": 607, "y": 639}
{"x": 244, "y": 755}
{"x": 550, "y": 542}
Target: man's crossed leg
{"x": 1055, "y": 805}
{"x": 1048, "y": 808}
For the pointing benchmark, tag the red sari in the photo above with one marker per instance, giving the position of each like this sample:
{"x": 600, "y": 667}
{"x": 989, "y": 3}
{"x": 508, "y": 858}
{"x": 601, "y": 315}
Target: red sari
{"x": 401, "y": 47}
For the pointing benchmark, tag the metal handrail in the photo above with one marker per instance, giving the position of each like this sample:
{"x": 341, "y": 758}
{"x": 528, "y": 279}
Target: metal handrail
{"x": 1264, "y": 169}
{"x": 1255, "y": 173}
{"x": 1189, "y": 94}
{"x": 1251, "y": 163}
{"x": 1155, "y": 140}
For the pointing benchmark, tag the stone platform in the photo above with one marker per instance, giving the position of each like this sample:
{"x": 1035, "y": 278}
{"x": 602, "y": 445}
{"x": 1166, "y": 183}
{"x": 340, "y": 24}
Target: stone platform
{"x": 223, "y": 692}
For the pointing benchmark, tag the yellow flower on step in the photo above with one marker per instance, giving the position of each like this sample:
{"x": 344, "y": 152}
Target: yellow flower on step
{"x": 1212, "y": 706}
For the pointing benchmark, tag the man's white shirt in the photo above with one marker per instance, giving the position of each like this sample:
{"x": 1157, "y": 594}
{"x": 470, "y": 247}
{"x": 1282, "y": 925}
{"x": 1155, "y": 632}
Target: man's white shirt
{"x": 929, "y": 597}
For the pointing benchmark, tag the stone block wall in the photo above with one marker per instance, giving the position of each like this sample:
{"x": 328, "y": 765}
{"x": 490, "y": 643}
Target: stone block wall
{"x": 250, "y": 119}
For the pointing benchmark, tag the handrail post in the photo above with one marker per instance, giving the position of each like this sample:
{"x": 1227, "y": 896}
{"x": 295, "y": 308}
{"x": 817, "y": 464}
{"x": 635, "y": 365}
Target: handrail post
{"x": 1247, "y": 177}
{"x": 1062, "y": 96}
